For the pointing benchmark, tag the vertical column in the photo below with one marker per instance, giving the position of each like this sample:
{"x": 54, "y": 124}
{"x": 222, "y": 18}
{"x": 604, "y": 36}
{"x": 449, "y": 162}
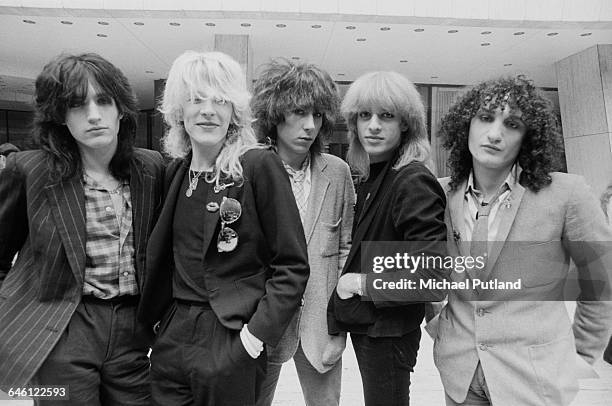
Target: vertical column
{"x": 239, "y": 48}
{"x": 441, "y": 101}
{"x": 585, "y": 100}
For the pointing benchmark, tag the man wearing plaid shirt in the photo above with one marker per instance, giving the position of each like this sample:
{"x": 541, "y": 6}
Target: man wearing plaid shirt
{"x": 78, "y": 211}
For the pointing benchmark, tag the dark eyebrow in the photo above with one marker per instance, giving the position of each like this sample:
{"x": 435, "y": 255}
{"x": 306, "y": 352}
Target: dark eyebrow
{"x": 513, "y": 116}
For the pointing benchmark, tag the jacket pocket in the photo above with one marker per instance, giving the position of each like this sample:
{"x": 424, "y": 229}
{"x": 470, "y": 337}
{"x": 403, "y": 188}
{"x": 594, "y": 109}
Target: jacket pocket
{"x": 554, "y": 364}
{"x": 250, "y": 290}
{"x": 331, "y": 236}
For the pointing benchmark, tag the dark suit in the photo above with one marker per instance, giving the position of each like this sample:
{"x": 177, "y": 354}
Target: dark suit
{"x": 406, "y": 205}
{"x": 44, "y": 221}
{"x": 260, "y": 282}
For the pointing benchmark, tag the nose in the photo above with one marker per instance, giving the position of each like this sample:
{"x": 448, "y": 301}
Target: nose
{"x": 308, "y": 122}
{"x": 93, "y": 112}
{"x": 496, "y": 132}
{"x": 206, "y": 107}
{"x": 374, "y": 125}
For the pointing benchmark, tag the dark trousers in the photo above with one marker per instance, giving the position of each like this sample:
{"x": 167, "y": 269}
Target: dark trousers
{"x": 385, "y": 364}
{"x": 197, "y": 361}
{"x": 101, "y": 357}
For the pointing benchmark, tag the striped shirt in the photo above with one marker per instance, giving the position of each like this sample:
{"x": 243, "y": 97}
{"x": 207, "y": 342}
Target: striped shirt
{"x": 109, "y": 265}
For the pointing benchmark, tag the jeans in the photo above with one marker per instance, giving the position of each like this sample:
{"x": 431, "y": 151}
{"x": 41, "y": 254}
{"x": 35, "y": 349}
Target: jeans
{"x": 385, "y": 364}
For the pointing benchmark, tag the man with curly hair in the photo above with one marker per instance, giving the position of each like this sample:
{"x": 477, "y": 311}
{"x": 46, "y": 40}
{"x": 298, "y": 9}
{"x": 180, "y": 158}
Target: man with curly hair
{"x": 497, "y": 346}
{"x": 295, "y": 106}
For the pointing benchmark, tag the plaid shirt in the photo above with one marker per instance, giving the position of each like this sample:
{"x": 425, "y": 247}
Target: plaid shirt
{"x": 109, "y": 264}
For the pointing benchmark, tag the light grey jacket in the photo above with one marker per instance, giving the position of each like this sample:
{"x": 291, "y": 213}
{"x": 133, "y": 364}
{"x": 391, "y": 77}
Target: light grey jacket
{"x": 328, "y": 224}
{"x": 528, "y": 349}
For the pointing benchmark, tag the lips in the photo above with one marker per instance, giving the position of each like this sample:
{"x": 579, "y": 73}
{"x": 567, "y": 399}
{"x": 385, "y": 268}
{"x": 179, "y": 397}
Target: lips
{"x": 491, "y": 147}
{"x": 92, "y": 129}
{"x": 208, "y": 124}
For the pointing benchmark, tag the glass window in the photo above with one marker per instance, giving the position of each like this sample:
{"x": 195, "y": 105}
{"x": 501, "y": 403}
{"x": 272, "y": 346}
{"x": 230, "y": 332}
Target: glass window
{"x": 19, "y": 128}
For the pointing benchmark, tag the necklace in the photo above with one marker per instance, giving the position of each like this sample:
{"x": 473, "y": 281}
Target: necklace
{"x": 193, "y": 182}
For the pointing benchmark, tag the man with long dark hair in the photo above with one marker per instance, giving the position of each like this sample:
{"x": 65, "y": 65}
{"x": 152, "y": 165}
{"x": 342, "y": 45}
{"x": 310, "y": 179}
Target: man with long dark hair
{"x": 78, "y": 211}
{"x": 295, "y": 106}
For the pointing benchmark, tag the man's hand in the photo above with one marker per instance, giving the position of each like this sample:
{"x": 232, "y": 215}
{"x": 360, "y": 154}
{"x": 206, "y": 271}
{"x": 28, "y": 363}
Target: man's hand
{"x": 333, "y": 350}
{"x": 349, "y": 285}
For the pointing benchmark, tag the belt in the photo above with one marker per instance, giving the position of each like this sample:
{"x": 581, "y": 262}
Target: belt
{"x": 125, "y": 299}
{"x": 204, "y": 305}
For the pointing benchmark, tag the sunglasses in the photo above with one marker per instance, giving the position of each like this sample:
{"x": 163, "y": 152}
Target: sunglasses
{"x": 229, "y": 211}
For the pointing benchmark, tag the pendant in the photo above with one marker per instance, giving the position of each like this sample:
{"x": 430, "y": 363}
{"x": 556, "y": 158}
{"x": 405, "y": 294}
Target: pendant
{"x": 212, "y": 207}
{"x": 222, "y": 187}
{"x": 189, "y": 192}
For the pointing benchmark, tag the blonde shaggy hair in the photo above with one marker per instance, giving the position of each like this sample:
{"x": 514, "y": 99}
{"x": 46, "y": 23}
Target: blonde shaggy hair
{"x": 209, "y": 74}
{"x": 392, "y": 92}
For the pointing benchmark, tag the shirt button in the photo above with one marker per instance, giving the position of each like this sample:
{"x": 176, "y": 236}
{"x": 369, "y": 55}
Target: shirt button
{"x": 109, "y": 209}
{"x": 481, "y": 312}
{"x": 483, "y": 347}
{"x": 126, "y": 273}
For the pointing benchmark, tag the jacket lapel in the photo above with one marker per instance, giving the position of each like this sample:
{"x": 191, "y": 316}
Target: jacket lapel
{"x": 456, "y": 202}
{"x": 320, "y": 184}
{"x": 507, "y": 211}
{"x": 372, "y": 202}
{"x": 211, "y": 218}
{"x": 67, "y": 203}
{"x": 376, "y": 187}
{"x": 142, "y": 195}
{"x": 161, "y": 236}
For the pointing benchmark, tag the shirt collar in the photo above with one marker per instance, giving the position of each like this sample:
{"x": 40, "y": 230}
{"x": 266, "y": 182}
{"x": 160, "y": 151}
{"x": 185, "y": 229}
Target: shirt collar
{"x": 301, "y": 173}
{"x": 90, "y": 183}
{"x": 510, "y": 182}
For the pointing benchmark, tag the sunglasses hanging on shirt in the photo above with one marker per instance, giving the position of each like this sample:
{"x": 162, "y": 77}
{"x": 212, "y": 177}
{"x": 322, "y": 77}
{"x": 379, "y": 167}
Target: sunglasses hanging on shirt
{"x": 229, "y": 212}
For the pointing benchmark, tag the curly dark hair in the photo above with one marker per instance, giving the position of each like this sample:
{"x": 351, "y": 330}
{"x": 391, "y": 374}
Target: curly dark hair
{"x": 64, "y": 82}
{"x": 542, "y": 143}
{"x": 284, "y": 86}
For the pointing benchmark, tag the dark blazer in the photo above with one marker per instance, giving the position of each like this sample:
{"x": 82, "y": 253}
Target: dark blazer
{"x": 403, "y": 205}
{"x": 262, "y": 281}
{"x": 45, "y": 222}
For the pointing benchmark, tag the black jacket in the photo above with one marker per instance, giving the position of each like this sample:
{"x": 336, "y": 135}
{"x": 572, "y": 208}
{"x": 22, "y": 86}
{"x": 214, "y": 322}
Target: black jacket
{"x": 262, "y": 281}
{"x": 403, "y": 205}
